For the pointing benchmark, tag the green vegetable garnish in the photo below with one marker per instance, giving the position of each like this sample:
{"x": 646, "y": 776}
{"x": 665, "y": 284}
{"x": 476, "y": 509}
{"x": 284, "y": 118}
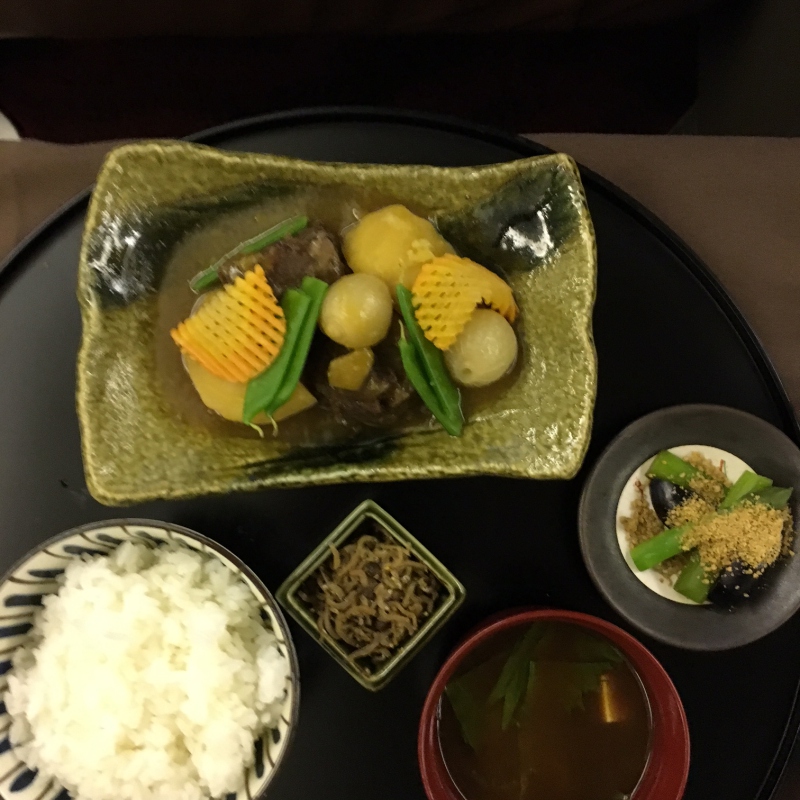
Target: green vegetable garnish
{"x": 694, "y": 581}
{"x": 263, "y": 389}
{"x": 413, "y": 369}
{"x": 519, "y": 675}
{"x": 271, "y": 389}
{"x": 426, "y": 369}
{"x": 208, "y": 277}
{"x": 315, "y": 290}
{"x": 747, "y": 483}
{"x": 661, "y": 547}
{"x": 773, "y": 496}
{"x": 667, "y": 466}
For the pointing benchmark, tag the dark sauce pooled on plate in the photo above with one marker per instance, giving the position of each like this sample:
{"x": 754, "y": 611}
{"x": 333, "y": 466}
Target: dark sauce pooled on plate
{"x": 548, "y": 711}
{"x": 336, "y": 419}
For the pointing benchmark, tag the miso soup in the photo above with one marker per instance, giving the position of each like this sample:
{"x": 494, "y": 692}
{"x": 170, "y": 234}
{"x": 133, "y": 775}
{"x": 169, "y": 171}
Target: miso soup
{"x": 547, "y": 711}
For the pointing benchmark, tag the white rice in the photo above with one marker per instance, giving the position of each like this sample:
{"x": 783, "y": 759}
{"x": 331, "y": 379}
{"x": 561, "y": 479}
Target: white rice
{"x": 149, "y": 677}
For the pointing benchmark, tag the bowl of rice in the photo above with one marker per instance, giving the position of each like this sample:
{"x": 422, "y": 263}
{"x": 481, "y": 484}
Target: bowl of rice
{"x": 140, "y": 660}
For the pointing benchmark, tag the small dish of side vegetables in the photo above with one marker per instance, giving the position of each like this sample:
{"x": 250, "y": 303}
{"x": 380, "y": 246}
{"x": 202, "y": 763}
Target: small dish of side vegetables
{"x": 371, "y": 595}
{"x": 697, "y": 525}
{"x": 693, "y": 543}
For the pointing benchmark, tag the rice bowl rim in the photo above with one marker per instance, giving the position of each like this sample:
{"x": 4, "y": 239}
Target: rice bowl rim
{"x": 255, "y": 584}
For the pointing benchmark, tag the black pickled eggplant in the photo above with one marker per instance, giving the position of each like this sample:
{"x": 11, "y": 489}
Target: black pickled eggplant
{"x": 665, "y": 495}
{"x": 733, "y": 585}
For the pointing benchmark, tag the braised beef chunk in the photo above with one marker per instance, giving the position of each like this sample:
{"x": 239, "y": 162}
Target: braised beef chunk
{"x": 378, "y": 403}
{"x": 312, "y": 252}
{"x": 382, "y": 401}
{"x": 236, "y": 267}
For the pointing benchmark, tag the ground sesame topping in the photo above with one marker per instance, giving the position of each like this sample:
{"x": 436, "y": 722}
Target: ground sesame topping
{"x": 714, "y": 471}
{"x": 693, "y": 509}
{"x": 751, "y": 533}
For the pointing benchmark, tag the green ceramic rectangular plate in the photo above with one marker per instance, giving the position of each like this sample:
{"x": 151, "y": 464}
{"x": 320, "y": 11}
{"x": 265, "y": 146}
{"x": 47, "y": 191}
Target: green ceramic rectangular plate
{"x": 162, "y": 211}
{"x": 288, "y": 594}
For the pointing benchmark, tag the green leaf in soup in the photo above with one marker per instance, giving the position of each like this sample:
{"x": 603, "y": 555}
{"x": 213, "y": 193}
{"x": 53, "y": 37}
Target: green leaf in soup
{"x": 520, "y": 654}
{"x": 513, "y": 684}
{"x": 580, "y": 679}
{"x": 593, "y": 658}
{"x": 515, "y": 693}
{"x": 469, "y": 710}
{"x": 590, "y": 648}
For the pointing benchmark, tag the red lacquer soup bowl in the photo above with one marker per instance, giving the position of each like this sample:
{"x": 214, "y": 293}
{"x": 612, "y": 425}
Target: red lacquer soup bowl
{"x": 664, "y": 775}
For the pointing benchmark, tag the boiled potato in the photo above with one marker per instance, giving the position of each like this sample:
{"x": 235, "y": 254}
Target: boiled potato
{"x": 226, "y": 398}
{"x": 393, "y": 244}
{"x": 356, "y": 311}
{"x": 484, "y": 351}
{"x": 351, "y": 370}
{"x": 300, "y": 400}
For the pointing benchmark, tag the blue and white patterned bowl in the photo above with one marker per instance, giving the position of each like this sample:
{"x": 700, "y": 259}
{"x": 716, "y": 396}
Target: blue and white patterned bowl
{"x": 36, "y": 575}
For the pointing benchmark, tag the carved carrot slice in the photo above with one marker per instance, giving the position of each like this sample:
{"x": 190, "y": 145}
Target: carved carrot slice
{"x": 447, "y": 291}
{"x": 238, "y": 332}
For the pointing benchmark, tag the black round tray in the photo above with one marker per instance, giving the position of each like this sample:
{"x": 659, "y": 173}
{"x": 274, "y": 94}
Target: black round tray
{"x": 666, "y": 333}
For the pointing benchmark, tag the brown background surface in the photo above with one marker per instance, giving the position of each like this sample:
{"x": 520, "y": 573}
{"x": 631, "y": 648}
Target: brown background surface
{"x": 735, "y": 201}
